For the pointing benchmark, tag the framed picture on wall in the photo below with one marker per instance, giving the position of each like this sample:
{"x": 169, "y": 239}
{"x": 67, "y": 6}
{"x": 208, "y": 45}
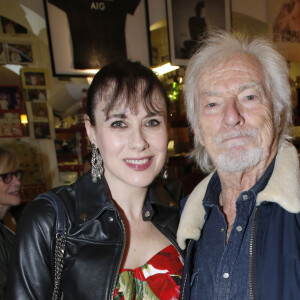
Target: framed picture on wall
{"x": 284, "y": 27}
{"x": 39, "y": 111}
{"x": 41, "y": 130}
{"x": 40, "y": 119}
{"x": 86, "y": 35}
{"x": 36, "y": 94}
{"x": 10, "y": 125}
{"x": 10, "y": 27}
{"x": 19, "y": 53}
{"x": 34, "y": 78}
{"x": 189, "y": 21}
{"x": 10, "y": 99}
{"x": 2, "y": 54}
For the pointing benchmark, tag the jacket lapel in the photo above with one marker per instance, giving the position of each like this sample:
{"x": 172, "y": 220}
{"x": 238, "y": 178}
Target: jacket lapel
{"x": 283, "y": 188}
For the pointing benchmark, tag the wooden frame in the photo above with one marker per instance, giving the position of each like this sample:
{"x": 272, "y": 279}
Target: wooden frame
{"x": 183, "y": 25}
{"x": 34, "y": 78}
{"x": 77, "y": 51}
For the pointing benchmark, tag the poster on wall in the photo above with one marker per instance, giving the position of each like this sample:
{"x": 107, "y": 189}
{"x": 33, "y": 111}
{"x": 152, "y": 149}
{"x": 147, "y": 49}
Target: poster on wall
{"x": 189, "y": 21}
{"x": 86, "y": 35}
{"x": 284, "y": 27}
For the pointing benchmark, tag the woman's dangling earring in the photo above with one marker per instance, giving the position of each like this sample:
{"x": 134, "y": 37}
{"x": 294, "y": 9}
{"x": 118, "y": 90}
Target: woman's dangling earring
{"x": 96, "y": 161}
{"x": 165, "y": 174}
{"x": 165, "y": 170}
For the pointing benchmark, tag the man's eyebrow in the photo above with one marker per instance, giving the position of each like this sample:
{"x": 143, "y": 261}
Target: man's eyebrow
{"x": 250, "y": 85}
{"x": 209, "y": 93}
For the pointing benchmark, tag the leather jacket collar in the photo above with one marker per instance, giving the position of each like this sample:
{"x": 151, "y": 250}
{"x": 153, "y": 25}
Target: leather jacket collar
{"x": 94, "y": 198}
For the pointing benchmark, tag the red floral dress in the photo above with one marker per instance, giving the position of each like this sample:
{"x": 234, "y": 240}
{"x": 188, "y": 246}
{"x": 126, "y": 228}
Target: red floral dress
{"x": 159, "y": 278}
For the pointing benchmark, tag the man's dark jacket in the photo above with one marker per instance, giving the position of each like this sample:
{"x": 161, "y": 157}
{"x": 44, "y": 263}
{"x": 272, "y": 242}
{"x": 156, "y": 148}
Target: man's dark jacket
{"x": 274, "y": 270}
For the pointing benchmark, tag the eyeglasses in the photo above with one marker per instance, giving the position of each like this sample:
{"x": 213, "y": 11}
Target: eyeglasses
{"x": 7, "y": 177}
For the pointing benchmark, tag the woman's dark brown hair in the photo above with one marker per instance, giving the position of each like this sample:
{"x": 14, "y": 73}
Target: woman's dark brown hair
{"x": 124, "y": 83}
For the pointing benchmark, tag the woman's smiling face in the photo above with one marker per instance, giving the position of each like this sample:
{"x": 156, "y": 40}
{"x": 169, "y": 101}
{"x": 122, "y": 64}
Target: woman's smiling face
{"x": 133, "y": 145}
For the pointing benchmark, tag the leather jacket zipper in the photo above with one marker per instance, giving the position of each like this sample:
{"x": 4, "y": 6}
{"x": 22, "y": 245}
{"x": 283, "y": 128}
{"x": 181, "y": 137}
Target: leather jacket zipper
{"x": 253, "y": 229}
{"x": 120, "y": 261}
{"x": 184, "y": 281}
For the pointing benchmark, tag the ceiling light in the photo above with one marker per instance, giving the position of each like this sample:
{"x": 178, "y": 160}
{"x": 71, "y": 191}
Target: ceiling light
{"x": 161, "y": 70}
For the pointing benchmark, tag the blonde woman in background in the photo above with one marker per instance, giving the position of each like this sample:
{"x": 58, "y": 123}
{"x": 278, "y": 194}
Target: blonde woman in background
{"x": 10, "y": 184}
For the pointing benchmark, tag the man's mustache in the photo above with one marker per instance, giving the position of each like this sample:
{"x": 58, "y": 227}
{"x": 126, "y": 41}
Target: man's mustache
{"x": 251, "y": 132}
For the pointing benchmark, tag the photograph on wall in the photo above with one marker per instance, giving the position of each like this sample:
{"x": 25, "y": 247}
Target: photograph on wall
{"x": 34, "y": 78}
{"x": 87, "y": 35}
{"x": 11, "y": 27}
{"x": 10, "y": 99}
{"x": 36, "y": 95}
{"x": 19, "y": 53}
{"x": 189, "y": 22}
{"x": 10, "y": 125}
{"x": 284, "y": 27}
{"x": 2, "y": 54}
{"x": 41, "y": 130}
{"x": 38, "y": 111}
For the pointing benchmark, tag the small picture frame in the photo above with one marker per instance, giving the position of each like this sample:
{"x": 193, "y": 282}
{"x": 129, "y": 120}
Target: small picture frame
{"x": 36, "y": 95}
{"x": 40, "y": 117}
{"x": 38, "y": 111}
{"x": 34, "y": 78}
{"x": 10, "y": 99}
{"x": 19, "y": 53}
{"x": 189, "y": 22}
{"x": 2, "y": 54}
{"x": 11, "y": 27}
{"x": 41, "y": 130}
{"x": 10, "y": 125}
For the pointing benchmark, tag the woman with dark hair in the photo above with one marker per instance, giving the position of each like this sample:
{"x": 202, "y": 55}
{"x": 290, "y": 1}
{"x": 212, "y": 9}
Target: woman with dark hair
{"x": 121, "y": 222}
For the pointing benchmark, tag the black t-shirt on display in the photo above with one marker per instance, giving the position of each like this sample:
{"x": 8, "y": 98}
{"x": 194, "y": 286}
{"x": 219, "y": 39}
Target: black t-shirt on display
{"x": 97, "y": 30}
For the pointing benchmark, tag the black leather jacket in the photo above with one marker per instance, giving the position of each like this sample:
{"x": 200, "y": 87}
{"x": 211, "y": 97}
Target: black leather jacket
{"x": 95, "y": 241}
{"x": 6, "y": 242}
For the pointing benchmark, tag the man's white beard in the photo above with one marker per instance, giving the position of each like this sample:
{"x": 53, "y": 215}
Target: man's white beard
{"x": 239, "y": 159}
{"x": 236, "y": 157}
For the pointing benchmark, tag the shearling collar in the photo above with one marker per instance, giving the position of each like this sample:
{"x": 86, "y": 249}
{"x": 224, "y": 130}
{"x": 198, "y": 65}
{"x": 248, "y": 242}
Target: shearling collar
{"x": 283, "y": 188}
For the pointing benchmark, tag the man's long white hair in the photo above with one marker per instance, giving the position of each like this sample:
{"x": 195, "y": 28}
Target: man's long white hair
{"x": 218, "y": 47}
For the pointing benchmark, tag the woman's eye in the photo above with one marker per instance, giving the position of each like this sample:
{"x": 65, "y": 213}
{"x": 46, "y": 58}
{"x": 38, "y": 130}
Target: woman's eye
{"x": 118, "y": 124}
{"x": 153, "y": 123}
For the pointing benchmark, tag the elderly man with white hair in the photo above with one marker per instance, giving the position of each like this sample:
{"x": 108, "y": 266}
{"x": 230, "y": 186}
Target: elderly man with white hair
{"x": 241, "y": 224}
